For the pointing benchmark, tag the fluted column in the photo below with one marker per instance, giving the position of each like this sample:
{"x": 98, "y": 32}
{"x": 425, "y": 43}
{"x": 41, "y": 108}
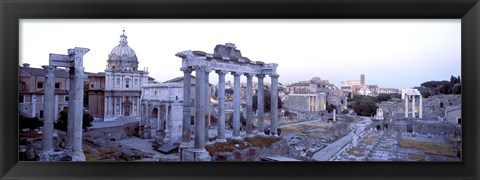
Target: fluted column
{"x": 420, "y": 114}
{"x": 207, "y": 102}
{"x": 221, "y": 107}
{"x": 186, "y": 126}
{"x": 413, "y": 106}
{"x": 260, "y": 105}
{"x": 248, "y": 97}
{"x": 274, "y": 103}
{"x": 236, "y": 104}
{"x": 48, "y": 109}
{"x": 406, "y": 105}
{"x": 200, "y": 108}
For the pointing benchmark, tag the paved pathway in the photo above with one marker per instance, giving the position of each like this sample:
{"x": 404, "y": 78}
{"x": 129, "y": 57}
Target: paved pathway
{"x": 332, "y": 149}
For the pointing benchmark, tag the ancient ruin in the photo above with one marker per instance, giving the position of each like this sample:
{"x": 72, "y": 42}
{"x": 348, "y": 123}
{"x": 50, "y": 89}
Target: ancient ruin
{"x": 408, "y": 94}
{"x": 225, "y": 59}
{"x": 74, "y": 61}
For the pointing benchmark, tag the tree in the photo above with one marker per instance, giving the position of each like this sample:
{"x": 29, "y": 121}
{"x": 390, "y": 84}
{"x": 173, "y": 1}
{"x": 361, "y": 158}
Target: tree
{"x": 365, "y": 108}
{"x": 383, "y": 97}
{"x": 363, "y": 105}
{"x": 266, "y": 102}
{"x": 423, "y": 91}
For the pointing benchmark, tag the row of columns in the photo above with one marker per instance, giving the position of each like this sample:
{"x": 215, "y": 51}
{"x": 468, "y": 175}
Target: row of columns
{"x": 202, "y": 105}
{"x": 420, "y": 113}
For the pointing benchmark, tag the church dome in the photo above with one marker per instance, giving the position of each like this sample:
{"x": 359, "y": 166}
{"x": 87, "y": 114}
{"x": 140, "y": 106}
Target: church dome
{"x": 122, "y": 51}
{"x": 122, "y": 57}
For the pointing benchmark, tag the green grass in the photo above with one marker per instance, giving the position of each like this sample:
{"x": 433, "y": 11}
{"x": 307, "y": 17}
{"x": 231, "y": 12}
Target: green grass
{"x": 429, "y": 147}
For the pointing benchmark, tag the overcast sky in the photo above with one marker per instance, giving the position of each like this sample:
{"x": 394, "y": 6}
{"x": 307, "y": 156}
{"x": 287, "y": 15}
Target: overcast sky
{"x": 391, "y": 53}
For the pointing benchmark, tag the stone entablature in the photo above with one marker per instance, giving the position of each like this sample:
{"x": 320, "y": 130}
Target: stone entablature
{"x": 163, "y": 91}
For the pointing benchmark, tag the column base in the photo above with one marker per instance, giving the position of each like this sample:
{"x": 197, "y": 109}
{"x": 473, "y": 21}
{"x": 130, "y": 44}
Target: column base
{"x": 195, "y": 155}
{"x": 78, "y": 156}
{"x": 184, "y": 146}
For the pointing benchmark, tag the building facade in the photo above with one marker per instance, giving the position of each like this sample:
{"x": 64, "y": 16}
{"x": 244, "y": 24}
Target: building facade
{"x": 123, "y": 82}
{"x": 32, "y": 87}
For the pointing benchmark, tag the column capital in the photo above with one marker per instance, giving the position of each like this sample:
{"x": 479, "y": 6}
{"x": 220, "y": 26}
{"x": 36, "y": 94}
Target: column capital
{"x": 186, "y": 69}
{"x": 199, "y": 68}
{"x": 208, "y": 70}
{"x": 49, "y": 71}
{"x": 221, "y": 72}
{"x": 274, "y": 75}
{"x": 249, "y": 75}
{"x": 236, "y": 73}
{"x": 260, "y": 76}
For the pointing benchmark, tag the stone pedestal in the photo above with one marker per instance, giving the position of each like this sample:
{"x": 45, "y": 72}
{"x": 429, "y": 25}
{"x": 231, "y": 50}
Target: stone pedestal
{"x": 53, "y": 156}
{"x": 195, "y": 155}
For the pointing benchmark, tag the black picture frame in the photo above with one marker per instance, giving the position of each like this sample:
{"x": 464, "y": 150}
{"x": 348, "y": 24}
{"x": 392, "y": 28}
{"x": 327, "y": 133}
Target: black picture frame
{"x": 11, "y": 11}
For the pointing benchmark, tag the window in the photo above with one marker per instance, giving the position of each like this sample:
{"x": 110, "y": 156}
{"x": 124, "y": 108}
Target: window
{"x": 40, "y": 85}
{"x": 66, "y": 98}
{"x": 459, "y": 121}
{"x": 118, "y": 81}
{"x": 57, "y": 85}
{"x": 24, "y": 86}
{"x": 41, "y": 113}
{"x": 21, "y": 98}
{"x": 127, "y": 83}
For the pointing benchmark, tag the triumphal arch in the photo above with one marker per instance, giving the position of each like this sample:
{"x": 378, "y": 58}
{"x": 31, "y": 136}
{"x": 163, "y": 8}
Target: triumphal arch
{"x": 226, "y": 59}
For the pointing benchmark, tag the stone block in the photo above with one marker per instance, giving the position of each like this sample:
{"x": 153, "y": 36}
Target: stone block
{"x": 195, "y": 155}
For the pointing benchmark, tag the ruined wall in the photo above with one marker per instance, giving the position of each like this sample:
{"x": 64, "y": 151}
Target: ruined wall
{"x": 298, "y": 103}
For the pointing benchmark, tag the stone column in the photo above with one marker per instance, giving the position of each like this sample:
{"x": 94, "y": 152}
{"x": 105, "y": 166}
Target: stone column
{"x": 221, "y": 107}
{"x": 334, "y": 115}
{"x": 413, "y": 106}
{"x": 168, "y": 125}
{"x": 142, "y": 119}
{"x": 70, "y": 112}
{"x": 260, "y": 104}
{"x": 77, "y": 154}
{"x": 48, "y": 109}
{"x": 406, "y": 105}
{"x": 200, "y": 108}
{"x": 186, "y": 126}
{"x": 420, "y": 114}
{"x": 55, "y": 111}
{"x": 236, "y": 105}
{"x": 159, "y": 125}
{"x": 308, "y": 102}
{"x": 146, "y": 129}
{"x": 274, "y": 103}
{"x": 248, "y": 97}
{"x": 207, "y": 102}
